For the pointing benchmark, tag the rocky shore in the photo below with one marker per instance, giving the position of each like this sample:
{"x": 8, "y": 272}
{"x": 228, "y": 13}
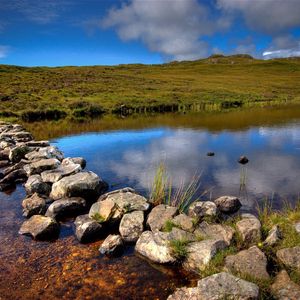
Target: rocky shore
{"x": 229, "y": 250}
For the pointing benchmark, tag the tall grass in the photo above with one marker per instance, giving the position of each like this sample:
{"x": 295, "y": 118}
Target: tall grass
{"x": 163, "y": 192}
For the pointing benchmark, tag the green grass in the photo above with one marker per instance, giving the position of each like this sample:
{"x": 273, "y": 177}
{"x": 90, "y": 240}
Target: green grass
{"x": 168, "y": 226}
{"x": 179, "y": 249}
{"x": 209, "y": 84}
{"x": 98, "y": 218}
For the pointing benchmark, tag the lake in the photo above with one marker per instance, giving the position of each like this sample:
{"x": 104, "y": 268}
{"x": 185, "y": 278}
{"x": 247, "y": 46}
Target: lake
{"x": 127, "y": 152}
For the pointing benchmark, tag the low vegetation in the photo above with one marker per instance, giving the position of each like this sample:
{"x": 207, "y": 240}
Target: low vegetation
{"x": 179, "y": 248}
{"x": 216, "y": 83}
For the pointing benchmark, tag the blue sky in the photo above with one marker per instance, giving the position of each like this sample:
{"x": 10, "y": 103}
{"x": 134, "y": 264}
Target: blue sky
{"x": 109, "y": 32}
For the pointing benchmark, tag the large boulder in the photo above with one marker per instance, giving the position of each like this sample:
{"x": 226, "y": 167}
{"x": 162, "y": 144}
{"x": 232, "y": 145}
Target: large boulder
{"x": 87, "y": 185}
{"x": 284, "y": 288}
{"x": 40, "y": 228}
{"x": 42, "y": 165}
{"x": 250, "y": 262}
{"x": 155, "y": 246}
{"x": 290, "y": 257}
{"x": 61, "y": 171}
{"x": 219, "y": 287}
{"x": 249, "y": 228}
{"x": 201, "y": 253}
{"x": 160, "y": 215}
{"x": 15, "y": 166}
{"x": 67, "y": 207}
{"x": 215, "y": 231}
{"x": 184, "y": 222}
{"x": 34, "y": 205}
{"x": 35, "y": 184}
{"x": 112, "y": 245}
{"x": 87, "y": 229}
{"x": 228, "y": 204}
{"x": 103, "y": 211}
{"x": 45, "y": 153}
{"x": 131, "y": 226}
{"x": 18, "y": 152}
{"x": 200, "y": 209}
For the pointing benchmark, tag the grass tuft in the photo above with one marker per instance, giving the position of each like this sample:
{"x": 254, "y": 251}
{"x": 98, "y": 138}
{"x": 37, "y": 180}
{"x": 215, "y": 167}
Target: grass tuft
{"x": 179, "y": 249}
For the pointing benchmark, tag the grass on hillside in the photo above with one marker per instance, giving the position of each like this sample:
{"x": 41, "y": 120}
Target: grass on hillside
{"x": 215, "y": 83}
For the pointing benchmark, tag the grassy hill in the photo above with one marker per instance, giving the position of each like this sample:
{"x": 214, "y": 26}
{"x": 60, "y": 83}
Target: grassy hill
{"x": 215, "y": 83}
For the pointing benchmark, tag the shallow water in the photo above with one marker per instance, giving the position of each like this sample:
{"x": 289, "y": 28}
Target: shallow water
{"x": 126, "y": 152}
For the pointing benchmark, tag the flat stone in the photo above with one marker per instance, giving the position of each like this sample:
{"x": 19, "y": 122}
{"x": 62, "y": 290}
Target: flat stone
{"x": 34, "y": 205}
{"x": 201, "y": 253}
{"x": 284, "y": 288}
{"x": 40, "y": 228}
{"x": 68, "y": 207}
{"x": 15, "y": 166}
{"x": 131, "y": 226}
{"x": 35, "y": 184}
{"x": 290, "y": 257}
{"x": 181, "y": 235}
{"x": 219, "y": 286}
{"x": 87, "y": 185}
{"x": 155, "y": 246}
{"x": 160, "y": 215}
{"x": 102, "y": 211}
{"x": 37, "y": 143}
{"x": 45, "y": 153}
{"x": 249, "y": 228}
{"x": 75, "y": 160}
{"x": 87, "y": 229}
{"x": 200, "y": 209}
{"x": 41, "y": 166}
{"x": 112, "y": 245}
{"x": 14, "y": 176}
{"x": 184, "y": 222}
{"x": 228, "y": 204}
{"x": 251, "y": 262}
{"x": 215, "y": 231}
{"x": 273, "y": 237}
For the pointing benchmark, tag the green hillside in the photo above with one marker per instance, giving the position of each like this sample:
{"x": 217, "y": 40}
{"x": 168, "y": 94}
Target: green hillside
{"x": 214, "y": 83}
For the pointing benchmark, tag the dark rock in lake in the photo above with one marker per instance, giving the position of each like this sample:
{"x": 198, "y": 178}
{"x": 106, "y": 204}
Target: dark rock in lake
{"x": 112, "y": 245}
{"x": 35, "y": 184}
{"x": 4, "y": 154}
{"x": 4, "y": 163}
{"x": 18, "y": 152}
{"x": 210, "y": 154}
{"x": 243, "y": 160}
{"x": 40, "y": 228}
{"x": 87, "y": 229}
{"x": 14, "y": 176}
{"x": 228, "y": 204}
{"x": 34, "y": 205}
{"x": 16, "y": 166}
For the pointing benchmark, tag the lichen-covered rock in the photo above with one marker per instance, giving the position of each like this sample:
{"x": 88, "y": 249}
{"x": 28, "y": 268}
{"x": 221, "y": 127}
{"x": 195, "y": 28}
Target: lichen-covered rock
{"x": 102, "y": 211}
{"x": 45, "y": 153}
{"x": 75, "y": 160}
{"x": 61, "y": 171}
{"x": 35, "y": 184}
{"x": 14, "y": 176}
{"x": 182, "y": 235}
{"x": 284, "y": 288}
{"x": 42, "y": 165}
{"x": 200, "y": 209}
{"x": 249, "y": 228}
{"x": 273, "y": 237}
{"x": 219, "y": 287}
{"x": 87, "y": 185}
{"x": 66, "y": 207}
{"x": 34, "y": 205}
{"x": 87, "y": 229}
{"x": 184, "y": 222}
{"x": 228, "y": 204}
{"x": 290, "y": 257}
{"x": 131, "y": 226}
{"x": 250, "y": 262}
{"x": 201, "y": 253}
{"x": 18, "y": 152}
{"x": 215, "y": 231}
{"x": 112, "y": 245}
{"x": 160, "y": 215}
{"x": 40, "y": 228}
{"x": 155, "y": 246}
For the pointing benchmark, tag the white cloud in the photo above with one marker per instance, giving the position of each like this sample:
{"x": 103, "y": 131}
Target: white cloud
{"x": 3, "y": 51}
{"x": 173, "y": 28}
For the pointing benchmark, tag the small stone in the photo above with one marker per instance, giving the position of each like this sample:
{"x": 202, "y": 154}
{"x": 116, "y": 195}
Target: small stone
{"x": 243, "y": 160}
{"x": 273, "y": 237}
{"x": 4, "y": 163}
{"x": 250, "y": 262}
{"x": 284, "y": 288}
{"x": 184, "y": 222}
{"x": 160, "y": 215}
{"x": 112, "y": 245}
{"x": 249, "y": 228}
{"x": 87, "y": 229}
{"x": 290, "y": 257}
{"x": 228, "y": 204}
{"x": 200, "y": 209}
{"x": 40, "y": 228}
{"x": 67, "y": 207}
{"x": 210, "y": 154}
{"x": 181, "y": 235}
{"x": 131, "y": 226}
{"x": 102, "y": 211}
{"x": 35, "y": 184}
{"x": 34, "y": 205}
{"x": 75, "y": 160}
{"x": 297, "y": 227}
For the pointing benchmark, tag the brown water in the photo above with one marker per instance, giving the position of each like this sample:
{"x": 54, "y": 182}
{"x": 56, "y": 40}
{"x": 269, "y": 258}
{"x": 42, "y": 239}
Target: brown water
{"x": 126, "y": 152}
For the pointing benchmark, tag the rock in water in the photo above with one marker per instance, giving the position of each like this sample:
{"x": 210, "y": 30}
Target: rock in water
{"x": 112, "y": 245}
{"x": 155, "y": 246}
{"x": 87, "y": 229}
{"x": 41, "y": 166}
{"x": 87, "y": 185}
{"x": 40, "y": 228}
{"x": 243, "y": 160}
{"x": 67, "y": 207}
{"x": 160, "y": 215}
{"x": 102, "y": 211}
{"x": 200, "y": 209}
{"x": 131, "y": 226}
{"x": 18, "y": 152}
{"x": 250, "y": 262}
{"x": 35, "y": 184}
{"x": 219, "y": 287}
{"x": 75, "y": 160}
{"x": 34, "y": 205}
{"x": 228, "y": 204}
